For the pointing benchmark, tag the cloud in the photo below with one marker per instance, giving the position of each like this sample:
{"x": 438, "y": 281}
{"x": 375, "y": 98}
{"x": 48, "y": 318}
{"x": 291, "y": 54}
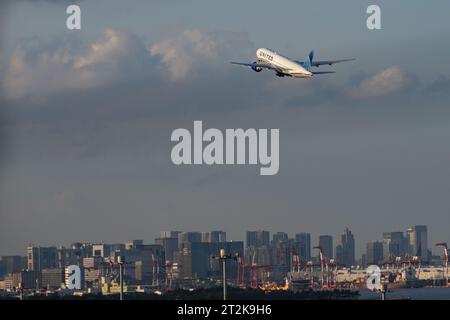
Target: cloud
{"x": 43, "y": 68}
{"x": 388, "y": 82}
{"x": 39, "y": 67}
{"x": 194, "y": 48}
{"x": 440, "y": 85}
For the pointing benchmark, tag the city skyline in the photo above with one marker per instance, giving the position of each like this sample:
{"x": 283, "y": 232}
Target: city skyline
{"x": 191, "y": 259}
{"x": 86, "y": 118}
{"x": 331, "y": 242}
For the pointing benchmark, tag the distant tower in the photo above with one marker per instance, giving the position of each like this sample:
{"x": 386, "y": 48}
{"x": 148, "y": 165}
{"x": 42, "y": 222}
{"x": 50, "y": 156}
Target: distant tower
{"x": 326, "y": 243}
{"x": 348, "y": 248}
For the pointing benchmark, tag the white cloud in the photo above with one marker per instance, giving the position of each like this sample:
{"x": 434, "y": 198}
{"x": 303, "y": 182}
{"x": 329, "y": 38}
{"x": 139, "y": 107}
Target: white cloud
{"x": 37, "y": 69}
{"x": 51, "y": 69}
{"x": 385, "y": 83}
{"x": 193, "y": 49}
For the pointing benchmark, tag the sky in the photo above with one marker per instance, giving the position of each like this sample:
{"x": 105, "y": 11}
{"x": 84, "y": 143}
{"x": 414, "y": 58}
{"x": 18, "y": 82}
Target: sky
{"x": 86, "y": 118}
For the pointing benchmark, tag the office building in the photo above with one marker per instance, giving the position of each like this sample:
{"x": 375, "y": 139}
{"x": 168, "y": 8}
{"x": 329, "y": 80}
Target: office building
{"x": 132, "y": 244}
{"x": 185, "y": 238}
{"x": 214, "y": 236}
{"x": 12, "y": 264}
{"x": 170, "y": 246}
{"x": 304, "y": 245}
{"x": 348, "y": 248}
{"x": 326, "y": 243}
{"x": 394, "y": 244}
{"x": 417, "y": 242}
{"x": 52, "y": 279}
{"x": 374, "y": 252}
{"x": 39, "y": 258}
{"x": 258, "y": 238}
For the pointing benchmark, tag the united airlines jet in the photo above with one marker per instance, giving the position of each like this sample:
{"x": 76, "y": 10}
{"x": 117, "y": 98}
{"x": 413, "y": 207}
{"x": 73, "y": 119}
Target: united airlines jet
{"x": 283, "y": 66}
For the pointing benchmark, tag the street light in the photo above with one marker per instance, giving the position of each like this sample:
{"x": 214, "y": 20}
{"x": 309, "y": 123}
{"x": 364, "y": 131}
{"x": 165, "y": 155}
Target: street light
{"x": 121, "y": 262}
{"x": 224, "y": 257}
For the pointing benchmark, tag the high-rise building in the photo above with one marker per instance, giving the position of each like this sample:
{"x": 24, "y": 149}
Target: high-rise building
{"x": 417, "y": 242}
{"x": 101, "y": 250}
{"x": 303, "y": 241}
{"x": 279, "y": 237}
{"x": 42, "y": 257}
{"x": 185, "y": 238}
{"x": 326, "y": 243}
{"x": 214, "y": 236}
{"x": 282, "y": 250}
{"x": 339, "y": 254}
{"x": 25, "y": 279}
{"x": 52, "y": 278}
{"x": 133, "y": 244}
{"x": 69, "y": 256}
{"x": 169, "y": 234}
{"x": 394, "y": 244}
{"x": 169, "y": 241}
{"x": 12, "y": 264}
{"x": 170, "y": 246}
{"x": 258, "y": 238}
{"x": 374, "y": 252}
{"x": 348, "y": 248}
{"x": 197, "y": 259}
{"x": 148, "y": 261}
{"x": 82, "y": 250}
{"x": 258, "y": 247}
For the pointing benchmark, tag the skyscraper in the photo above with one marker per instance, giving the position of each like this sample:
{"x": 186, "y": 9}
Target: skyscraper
{"x": 42, "y": 257}
{"x": 214, "y": 236}
{"x": 417, "y": 242}
{"x": 339, "y": 254}
{"x": 394, "y": 244}
{"x": 258, "y": 247}
{"x": 188, "y": 237}
{"x": 326, "y": 243}
{"x": 374, "y": 252}
{"x": 280, "y": 237}
{"x": 304, "y": 245}
{"x": 169, "y": 241}
{"x": 348, "y": 248}
{"x": 12, "y": 264}
{"x": 258, "y": 238}
{"x": 170, "y": 246}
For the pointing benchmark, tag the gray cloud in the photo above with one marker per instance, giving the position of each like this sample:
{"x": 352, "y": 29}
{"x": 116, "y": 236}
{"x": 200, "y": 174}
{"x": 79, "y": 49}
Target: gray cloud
{"x": 190, "y": 51}
{"x": 440, "y": 85}
{"x": 47, "y": 67}
{"x": 387, "y": 82}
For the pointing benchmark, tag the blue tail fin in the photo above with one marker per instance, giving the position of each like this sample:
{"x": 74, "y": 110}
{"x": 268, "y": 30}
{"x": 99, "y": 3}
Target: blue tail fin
{"x": 311, "y": 56}
{"x": 307, "y": 62}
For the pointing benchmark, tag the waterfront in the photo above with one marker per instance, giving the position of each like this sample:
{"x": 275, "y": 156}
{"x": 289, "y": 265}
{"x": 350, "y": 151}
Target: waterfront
{"x": 409, "y": 293}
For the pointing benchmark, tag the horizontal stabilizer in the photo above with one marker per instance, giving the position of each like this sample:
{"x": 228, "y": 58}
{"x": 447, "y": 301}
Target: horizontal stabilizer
{"x": 323, "y": 72}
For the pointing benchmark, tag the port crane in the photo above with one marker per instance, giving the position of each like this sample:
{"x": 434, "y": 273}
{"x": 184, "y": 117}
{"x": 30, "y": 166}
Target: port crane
{"x": 445, "y": 247}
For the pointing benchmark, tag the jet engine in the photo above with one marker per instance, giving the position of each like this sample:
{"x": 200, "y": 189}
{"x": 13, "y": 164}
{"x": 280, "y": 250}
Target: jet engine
{"x": 256, "y": 69}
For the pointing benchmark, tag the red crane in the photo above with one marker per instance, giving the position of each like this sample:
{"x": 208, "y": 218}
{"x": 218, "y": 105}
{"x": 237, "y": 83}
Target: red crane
{"x": 444, "y": 245}
{"x": 323, "y": 263}
{"x": 295, "y": 263}
{"x": 240, "y": 276}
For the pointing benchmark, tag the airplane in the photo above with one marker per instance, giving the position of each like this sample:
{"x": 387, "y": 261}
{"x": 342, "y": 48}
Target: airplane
{"x": 283, "y": 66}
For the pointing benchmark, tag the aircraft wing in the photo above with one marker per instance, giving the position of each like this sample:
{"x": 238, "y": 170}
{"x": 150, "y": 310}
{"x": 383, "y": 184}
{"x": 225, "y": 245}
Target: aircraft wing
{"x": 323, "y": 62}
{"x": 259, "y": 65}
{"x": 328, "y": 62}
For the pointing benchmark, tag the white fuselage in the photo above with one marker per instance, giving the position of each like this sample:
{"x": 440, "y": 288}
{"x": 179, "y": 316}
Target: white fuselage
{"x": 285, "y": 65}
